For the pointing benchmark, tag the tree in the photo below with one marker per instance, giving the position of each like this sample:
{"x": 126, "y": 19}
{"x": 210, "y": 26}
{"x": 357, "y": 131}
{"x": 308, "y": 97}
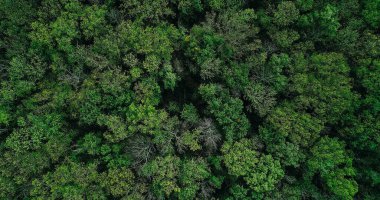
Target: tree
{"x": 260, "y": 172}
{"x": 189, "y": 140}
{"x": 371, "y": 12}
{"x": 190, "y": 114}
{"x": 286, "y": 13}
{"x": 90, "y": 144}
{"x": 69, "y": 181}
{"x": 164, "y": 172}
{"x": 330, "y": 159}
{"x": 119, "y": 182}
{"x": 299, "y": 128}
{"x": 228, "y": 111}
{"x": 210, "y": 136}
{"x": 331, "y": 93}
{"x": 261, "y": 98}
{"x": 147, "y": 10}
{"x": 192, "y": 173}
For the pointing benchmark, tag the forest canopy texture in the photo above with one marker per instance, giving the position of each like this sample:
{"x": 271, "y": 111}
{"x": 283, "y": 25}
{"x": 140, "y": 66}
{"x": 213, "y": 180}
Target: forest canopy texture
{"x": 190, "y": 99}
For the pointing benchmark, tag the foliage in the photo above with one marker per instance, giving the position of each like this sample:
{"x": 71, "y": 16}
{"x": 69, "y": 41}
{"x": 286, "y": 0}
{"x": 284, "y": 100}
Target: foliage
{"x": 335, "y": 167}
{"x": 261, "y": 172}
{"x": 189, "y": 99}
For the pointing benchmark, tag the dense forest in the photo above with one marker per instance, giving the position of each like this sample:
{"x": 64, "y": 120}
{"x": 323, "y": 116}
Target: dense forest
{"x": 190, "y": 99}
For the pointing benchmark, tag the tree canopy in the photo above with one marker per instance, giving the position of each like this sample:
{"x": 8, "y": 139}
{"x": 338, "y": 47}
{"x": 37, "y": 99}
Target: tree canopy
{"x": 190, "y": 99}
